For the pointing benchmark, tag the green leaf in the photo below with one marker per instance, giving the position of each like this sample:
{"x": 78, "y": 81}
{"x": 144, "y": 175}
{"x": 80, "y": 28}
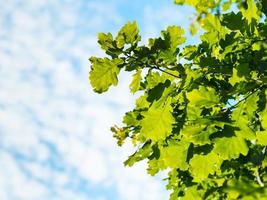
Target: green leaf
{"x": 157, "y": 122}
{"x": 264, "y": 162}
{"x": 174, "y": 156}
{"x": 263, "y": 114}
{"x": 240, "y": 73}
{"x": 213, "y": 24}
{"x": 129, "y": 34}
{"x": 120, "y": 134}
{"x": 244, "y": 114}
{"x": 193, "y": 193}
{"x": 166, "y": 46}
{"x": 153, "y": 79}
{"x": 264, "y": 7}
{"x": 202, "y": 112}
{"x": 230, "y": 147}
{"x": 251, "y": 12}
{"x": 130, "y": 118}
{"x": 210, "y": 38}
{"x": 198, "y": 133}
{"x": 251, "y": 104}
{"x": 245, "y": 110}
{"x": 264, "y": 119}
{"x": 174, "y": 35}
{"x": 226, "y": 6}
{"x": 193, "y": 29}
{"x": 139, "y": 155}
{"x": 202, "y": 166}
{"x": 262, "y": 137}
{"x": 190, "y": 52}
{"x": 105, "y": 41}
{"x": 190, "y": 2}
{"x": 104, "y": 73}
{"x": 203, "y": 97}
{"x": 234, "y": 21}
{"x": 245, "y": 131}
{"x": 244, "y": 189}
{"x": 179, "y": 1}
{"x": 141, "y": 102}
{"x": 154, "y": 166}
{"x": 157, "y": 93}
{"x": 135, "y": 84}
{"x": 193, "y": 112}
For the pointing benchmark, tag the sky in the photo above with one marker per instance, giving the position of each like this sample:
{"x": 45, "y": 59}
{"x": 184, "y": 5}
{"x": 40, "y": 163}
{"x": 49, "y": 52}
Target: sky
{"x": 55, "y": 139}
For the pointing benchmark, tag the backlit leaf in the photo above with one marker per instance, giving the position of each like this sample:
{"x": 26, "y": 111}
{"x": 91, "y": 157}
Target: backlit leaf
{"x": 262, "y": 137}
{"x": 251, "y": 12}
{"x": 192, "y": 193}
{"x": 230, "y": 147}
{"x": 201, "y": 110}
{"x": 175, "y": 156}
{"x": 129, "y": 34}
{"x": 135, "y": 84}
{"x": 162, "y": 120}
{"x": 104, "y": 73}
{"x": 203, "y": 165}
{"x": 240, "y": 73}
{"x": 203, "y": 97}
{"x": 175, "y": 35}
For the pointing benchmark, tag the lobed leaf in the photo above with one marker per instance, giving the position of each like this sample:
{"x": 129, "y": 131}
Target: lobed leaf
{"x": 104, "y": 73}
{"x": 157, "y": 122}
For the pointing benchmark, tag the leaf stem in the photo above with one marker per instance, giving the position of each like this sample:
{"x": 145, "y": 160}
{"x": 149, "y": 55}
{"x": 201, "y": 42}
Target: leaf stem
{"x": 251, "y": 93}
{"x": 259, "y": 178}
{"x": 171, "y": 74}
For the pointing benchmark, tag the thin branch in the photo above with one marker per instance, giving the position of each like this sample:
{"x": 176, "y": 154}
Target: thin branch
{"x": 245, "y": 98}
{"x": 264, "y": 151}
{"x": 258, "y": 178}
{"x": 171, "y": 74}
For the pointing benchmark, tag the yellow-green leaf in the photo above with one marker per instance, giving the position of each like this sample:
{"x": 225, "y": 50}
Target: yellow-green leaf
{"x": 203, "y": 97}
{"x": 251, "y": 12}
{"x": 105, "y": 40}
{"x": 203, "y": 165}
{"x": 135, "y": 84}
{"x": 262, "y": 137}
{"x": 240, "y": 73}
{"x": 128, "y": 34}
{"x": 230, "y": 147}
{"x": 193, "y": 193}
{"x": 157, "y": 122}
{"x": 104, "y": 73}
{"x": 174, "y": 156}
{"x": 198, "y": 133}
{"x": 264, "y": 115}
{"x": 175, "y": 35}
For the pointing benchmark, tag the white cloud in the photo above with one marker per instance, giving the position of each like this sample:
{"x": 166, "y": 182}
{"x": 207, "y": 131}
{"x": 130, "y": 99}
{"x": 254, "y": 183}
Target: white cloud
{"x": 14, "y": 185}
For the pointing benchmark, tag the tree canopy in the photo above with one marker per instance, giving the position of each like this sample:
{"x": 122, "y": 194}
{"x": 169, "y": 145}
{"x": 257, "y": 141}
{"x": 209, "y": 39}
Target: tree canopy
{"x": 201, "y": 113}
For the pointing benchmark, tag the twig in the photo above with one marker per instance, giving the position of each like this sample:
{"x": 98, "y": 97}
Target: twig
{"x": 171, "y": 74}
{"x": 259, "y": 178}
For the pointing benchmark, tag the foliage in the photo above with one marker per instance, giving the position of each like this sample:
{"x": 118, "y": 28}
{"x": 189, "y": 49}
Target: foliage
{"x": 202, "y": 109}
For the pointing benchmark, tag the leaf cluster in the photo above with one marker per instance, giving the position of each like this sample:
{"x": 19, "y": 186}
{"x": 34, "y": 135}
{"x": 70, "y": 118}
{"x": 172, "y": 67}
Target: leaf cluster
{"x": 201, "y": 113}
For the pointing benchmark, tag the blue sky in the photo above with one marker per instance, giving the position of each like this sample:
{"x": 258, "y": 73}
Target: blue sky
{"x": 55, "y": 139}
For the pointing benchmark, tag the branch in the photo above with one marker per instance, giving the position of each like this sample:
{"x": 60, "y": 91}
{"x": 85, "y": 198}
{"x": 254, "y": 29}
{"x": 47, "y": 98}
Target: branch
{"x": 264, "y": 151}
{"x": 258, "y": 178}
{"x": 171, "y": 74}
{"x": 245, "y": 98}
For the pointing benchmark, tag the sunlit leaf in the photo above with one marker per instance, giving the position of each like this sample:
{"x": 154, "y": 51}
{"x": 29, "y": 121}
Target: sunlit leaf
{"x": 157, "y": 122}
{"x": 104, "y": 73}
